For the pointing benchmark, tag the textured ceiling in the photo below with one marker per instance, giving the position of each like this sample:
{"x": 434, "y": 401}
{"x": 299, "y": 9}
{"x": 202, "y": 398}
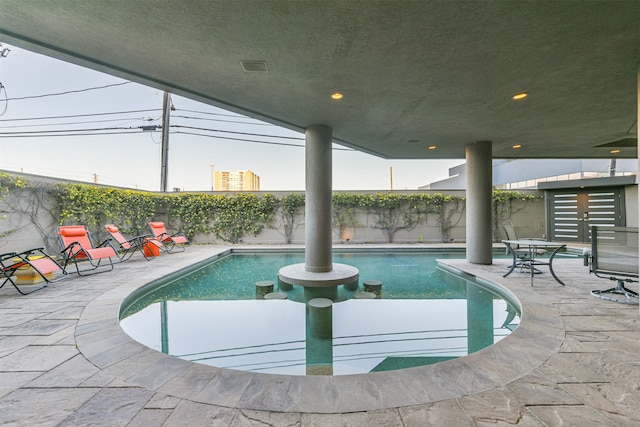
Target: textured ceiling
{"x": 413, "y": 73}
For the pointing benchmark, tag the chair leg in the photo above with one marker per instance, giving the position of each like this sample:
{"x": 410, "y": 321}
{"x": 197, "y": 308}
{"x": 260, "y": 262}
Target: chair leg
{"x": 619, "y": 294}
{"x": 141, "y": 249}
{"x": 126, "y": 255}
{"x": 9, "y": 279}
{"x": 524, "y": 264}
{"x": 172, "y": 247}
{"x": 31, "y": 291}
{"x": 95, "y": 267}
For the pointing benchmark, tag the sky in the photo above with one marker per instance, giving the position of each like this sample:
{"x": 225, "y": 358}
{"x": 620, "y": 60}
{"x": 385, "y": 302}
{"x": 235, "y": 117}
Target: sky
{"x": 65, "y": 121}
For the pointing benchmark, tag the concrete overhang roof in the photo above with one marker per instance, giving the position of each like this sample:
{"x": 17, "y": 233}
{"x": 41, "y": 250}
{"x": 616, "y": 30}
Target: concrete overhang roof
{"x": 413, "y": 73}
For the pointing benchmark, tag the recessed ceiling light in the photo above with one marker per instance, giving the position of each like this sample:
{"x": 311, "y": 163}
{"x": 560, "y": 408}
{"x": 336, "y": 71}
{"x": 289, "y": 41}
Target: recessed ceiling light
{"x": 615, "y": 151}
{"x": 254, "y": 66}
{"x": 519, "y": 96}
{"x": 517, "y": 146}
{"x": 337, "y": 96}
{"x": 433, "y": 147}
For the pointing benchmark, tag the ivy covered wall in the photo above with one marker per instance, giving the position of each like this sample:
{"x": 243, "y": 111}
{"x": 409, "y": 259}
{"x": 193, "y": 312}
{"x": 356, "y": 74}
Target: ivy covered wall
{"x": 31, "y": 211}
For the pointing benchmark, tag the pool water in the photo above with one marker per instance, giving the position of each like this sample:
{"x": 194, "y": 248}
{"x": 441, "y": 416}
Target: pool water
{"x": 424, "y": 315}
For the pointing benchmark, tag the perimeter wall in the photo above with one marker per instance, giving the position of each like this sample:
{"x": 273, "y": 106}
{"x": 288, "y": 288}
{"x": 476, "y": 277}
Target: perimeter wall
{"x": 28, "y": 217}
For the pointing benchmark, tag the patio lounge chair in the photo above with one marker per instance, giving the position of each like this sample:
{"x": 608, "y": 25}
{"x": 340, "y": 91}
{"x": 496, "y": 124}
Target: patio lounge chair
{"x": 614, "y": 256}
{"x": 522, "y": 254}
{"x": 78, "y": 247}
{"x": 171, "y": 241}
{"x": 28, "y": 268}
{"x": 126, "y": 248}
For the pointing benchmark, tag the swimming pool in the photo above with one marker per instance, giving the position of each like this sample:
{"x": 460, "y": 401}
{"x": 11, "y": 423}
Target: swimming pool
{"x": 425, "y": 315}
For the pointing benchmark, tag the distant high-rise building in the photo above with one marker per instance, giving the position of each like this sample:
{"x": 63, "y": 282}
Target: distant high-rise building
{"x": 237, "y": 181}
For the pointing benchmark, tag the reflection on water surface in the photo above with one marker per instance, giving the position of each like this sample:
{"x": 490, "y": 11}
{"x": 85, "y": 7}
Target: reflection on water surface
{"x": 425, "y": 316}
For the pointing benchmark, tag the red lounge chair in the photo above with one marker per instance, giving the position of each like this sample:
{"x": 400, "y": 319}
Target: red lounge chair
{"x": 78, "y": 246}
{"x": 29, "y": 268}
{"x": 126, "y": 248}
{"x": 171, "y": 242}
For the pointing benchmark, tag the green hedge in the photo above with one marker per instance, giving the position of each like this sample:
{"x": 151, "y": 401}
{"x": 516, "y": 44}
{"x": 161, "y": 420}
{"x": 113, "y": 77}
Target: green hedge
{"x": 231, "y": 218}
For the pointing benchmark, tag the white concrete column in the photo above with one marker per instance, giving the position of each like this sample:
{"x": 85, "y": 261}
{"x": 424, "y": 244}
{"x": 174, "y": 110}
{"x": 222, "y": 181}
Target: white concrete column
{"x": 479, "y": 185}
{"x": 318, "y": 257}
{"x": 638, "y": 134}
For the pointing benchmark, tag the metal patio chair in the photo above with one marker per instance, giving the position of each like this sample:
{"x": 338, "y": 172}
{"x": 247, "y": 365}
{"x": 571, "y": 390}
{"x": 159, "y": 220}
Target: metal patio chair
{"x": 78, "y": 248}
{"x": 171, "y": 241}
{"x": 614, "y": 256}
{"x": 522, "y": 254}
{"x": 28, "y": 268}
{"x": 127, "y": 247}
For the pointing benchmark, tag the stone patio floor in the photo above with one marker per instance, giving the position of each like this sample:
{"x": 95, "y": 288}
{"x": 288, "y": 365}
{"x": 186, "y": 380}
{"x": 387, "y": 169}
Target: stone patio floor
{"x": 64, "y": 361}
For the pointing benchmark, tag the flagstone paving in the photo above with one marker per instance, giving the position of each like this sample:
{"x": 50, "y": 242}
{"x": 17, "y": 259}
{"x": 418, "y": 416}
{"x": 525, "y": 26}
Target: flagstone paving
{"x": 64, "y": 361}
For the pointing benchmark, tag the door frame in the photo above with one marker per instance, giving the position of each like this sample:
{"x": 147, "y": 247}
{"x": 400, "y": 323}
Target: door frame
{"x": 583, "y": 235}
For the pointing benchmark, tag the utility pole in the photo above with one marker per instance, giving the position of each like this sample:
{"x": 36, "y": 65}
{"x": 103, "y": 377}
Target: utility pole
{"x": 391, "y": 176}
{"x": 164, "y": 167}
{"x": 212, "y": 178}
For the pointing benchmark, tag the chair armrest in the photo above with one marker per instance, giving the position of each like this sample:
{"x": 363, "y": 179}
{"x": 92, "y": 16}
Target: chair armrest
{"x": 31, "y": 252}
{"x": 137, "y": 240}
{"x": 107, "y": 243}
{"x": 7, "y": 255}
{"x": 163, "y": 236}
{"x": 69, "y": 253}
{"x": 145, "y": 236}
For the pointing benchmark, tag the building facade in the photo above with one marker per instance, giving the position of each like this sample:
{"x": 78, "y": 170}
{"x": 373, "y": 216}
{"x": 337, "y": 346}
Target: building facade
{"x": 520, "y": 174}
{"x": 243, "y": 180}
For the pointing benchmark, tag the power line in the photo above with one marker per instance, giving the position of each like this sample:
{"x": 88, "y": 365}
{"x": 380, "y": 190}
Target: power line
{"x": 137, "y": 131}
{"x": 132, "y": 131}
{"x": 119, "y": 131}
{"x": 238, "y": 139}
{"x": 245, "y": 347}
{"x": 114, "y": 113}
{"x": 252, "y": 140}
{"x": 71, "y": 116}
{"x": 65, "y": 130}
{"x": 238, "y": 133}
{"x": 81, "y": 122}
{"x": 125, "y": 131}
{"x": 239, "y": 116}
{"x": 81, "y": 115}
{"x": 67, "y": 92}
{"x": 221, "y": 120}
{"x": 100, "y": 130}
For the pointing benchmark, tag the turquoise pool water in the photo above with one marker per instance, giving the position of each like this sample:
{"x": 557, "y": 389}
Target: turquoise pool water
{"x": 211, "y": 315}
